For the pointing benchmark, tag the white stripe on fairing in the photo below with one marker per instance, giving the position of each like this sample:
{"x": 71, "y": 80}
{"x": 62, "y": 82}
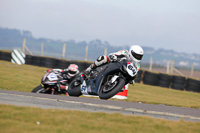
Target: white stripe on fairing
{"x": 50, "y": 82}
{"x": 45, "y": 76}
{"x": 63, "y": 81}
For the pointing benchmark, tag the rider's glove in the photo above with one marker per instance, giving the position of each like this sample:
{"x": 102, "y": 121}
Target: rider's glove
{"x": 113, "y": 58}
{"x": 49, "y": 70}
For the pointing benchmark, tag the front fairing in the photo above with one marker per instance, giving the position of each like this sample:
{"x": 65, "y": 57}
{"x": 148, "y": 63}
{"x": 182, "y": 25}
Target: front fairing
{"x": 51, "y": 79}
{"x": 92, "y": 84}
{"x": 109, "y": 69}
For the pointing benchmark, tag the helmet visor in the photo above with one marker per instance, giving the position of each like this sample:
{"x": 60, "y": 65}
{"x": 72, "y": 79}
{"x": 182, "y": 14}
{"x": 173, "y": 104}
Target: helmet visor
{"x": 72, "y": 72}
{"x": 136, "y": 56}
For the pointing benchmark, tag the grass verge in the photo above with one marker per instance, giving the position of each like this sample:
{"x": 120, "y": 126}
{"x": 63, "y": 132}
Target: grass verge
{"x": 35, "y": 120}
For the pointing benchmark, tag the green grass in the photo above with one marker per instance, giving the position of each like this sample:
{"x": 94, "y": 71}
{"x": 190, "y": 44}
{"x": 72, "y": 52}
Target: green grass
{"x": 17, "y": 119}
{"x": 159, "y": 95}
{"x": 20, "y": 77}
{"x": 26, "y": 77}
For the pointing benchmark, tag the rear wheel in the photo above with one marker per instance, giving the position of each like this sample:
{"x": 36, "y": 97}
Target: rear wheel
{"x": 74, "y": 88}
{"x": 39, "y": 89}
{"x": 109, "y": 89}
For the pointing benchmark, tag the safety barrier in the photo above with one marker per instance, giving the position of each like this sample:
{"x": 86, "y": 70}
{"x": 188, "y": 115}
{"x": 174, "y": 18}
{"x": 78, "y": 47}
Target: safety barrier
{"x": 18, "y": 57}
{"x": 139, "y": 76}
{"x": 53, "y": 62}
{"x": 164, "y": 80}
{"x": 171, "y": 81}
{"x": 5, "y": 56}
{"x": 150, "y": 78}
{"x": 192, "y": 85}
{"x": 178, "y": 82}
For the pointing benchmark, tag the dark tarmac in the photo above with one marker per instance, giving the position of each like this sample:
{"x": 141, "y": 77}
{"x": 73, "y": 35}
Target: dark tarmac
{"x": 97, "y": 105}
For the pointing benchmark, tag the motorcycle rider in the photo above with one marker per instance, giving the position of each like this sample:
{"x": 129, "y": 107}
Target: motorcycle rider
{"x": 134, "y": 54}
{"x": 67, "y": 74}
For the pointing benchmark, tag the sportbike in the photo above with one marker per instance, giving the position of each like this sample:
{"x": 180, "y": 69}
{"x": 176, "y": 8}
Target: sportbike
{"x": 105, "y": 81}
{"x": 51, "y": 82}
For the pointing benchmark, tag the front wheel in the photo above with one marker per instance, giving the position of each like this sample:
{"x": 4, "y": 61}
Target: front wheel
{"x": 39, "y": 89}
{"x": 109, "y": 90}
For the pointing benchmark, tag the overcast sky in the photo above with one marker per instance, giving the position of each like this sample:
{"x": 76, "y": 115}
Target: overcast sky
{"x": 168, "y": 24}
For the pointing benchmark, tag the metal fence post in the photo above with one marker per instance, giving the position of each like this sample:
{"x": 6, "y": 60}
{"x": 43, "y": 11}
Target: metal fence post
{"x": 105, "y": 51}
{"x": 86, "y": 52}
{"x": 23, "y": 45}
{"x": 192, "y": 70}
{"x": 172, "y": 66}
{"x": 42, "y": 50}
{"x": 64, "y": 49}
{"x": 168, "y": 67}
{"x": 150, "y": 64}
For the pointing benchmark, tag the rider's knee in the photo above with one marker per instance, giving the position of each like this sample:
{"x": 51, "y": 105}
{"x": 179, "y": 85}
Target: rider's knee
{"x": 101, "y": 60}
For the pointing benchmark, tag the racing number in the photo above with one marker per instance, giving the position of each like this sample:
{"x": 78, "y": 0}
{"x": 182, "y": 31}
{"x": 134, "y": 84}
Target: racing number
{"x": 83, "y": 88}
{"x": 133, "y": 69}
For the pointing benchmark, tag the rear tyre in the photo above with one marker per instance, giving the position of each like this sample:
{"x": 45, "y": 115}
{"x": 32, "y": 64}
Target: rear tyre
{"x": 108, "y": 91}
{"x": 39, "y": 89}
{"x": 74, "y": 88}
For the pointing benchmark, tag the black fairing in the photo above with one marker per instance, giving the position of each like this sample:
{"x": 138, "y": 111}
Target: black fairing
{"x": 110, "y": 69}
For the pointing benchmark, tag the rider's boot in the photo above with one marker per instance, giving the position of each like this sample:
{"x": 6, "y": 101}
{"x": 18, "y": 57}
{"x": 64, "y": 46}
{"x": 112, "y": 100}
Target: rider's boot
{"x": 64, "y": 88}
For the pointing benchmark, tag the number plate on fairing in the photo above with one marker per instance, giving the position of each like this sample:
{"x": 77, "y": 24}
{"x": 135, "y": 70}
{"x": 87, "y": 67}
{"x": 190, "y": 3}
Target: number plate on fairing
{"x": 84, "y": 88}
{"x": 52, "y": 77}
{"x": 131, "y": 70}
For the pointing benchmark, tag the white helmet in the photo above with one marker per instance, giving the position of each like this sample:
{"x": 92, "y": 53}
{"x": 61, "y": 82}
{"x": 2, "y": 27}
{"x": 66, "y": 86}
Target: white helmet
{"x": 73, "y": 70}
{"x": 136, "y": 53}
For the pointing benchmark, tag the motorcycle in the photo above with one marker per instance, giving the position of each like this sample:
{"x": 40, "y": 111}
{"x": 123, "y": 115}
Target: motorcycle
{"x": 51, "y": 83}
{"x": 105, "y": 81}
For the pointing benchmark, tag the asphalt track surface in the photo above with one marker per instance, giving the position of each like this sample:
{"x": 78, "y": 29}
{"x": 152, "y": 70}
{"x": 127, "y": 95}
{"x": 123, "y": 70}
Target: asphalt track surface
{"x": 96, "y": 105}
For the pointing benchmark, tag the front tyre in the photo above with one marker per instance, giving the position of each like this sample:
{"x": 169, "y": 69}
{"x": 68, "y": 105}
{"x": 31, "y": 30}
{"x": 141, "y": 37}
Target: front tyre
{"x": 109, "y": 90}
{"x": 75, "y": 88}
{"x": 39, "y": 89}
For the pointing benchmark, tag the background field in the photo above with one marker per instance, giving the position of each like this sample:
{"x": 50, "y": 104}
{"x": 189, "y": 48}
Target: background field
{"x": 25, "y": 119}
